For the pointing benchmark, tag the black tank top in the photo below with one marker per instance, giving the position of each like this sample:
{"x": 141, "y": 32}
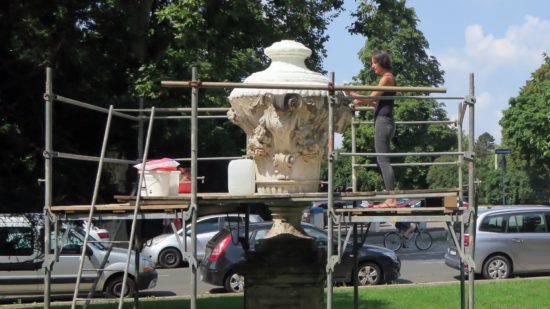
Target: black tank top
{"x": 384, "y": 107}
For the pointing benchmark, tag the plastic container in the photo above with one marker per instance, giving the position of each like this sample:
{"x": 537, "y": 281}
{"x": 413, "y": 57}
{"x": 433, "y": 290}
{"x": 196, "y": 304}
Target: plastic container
{"x": 184, "y": 186}
{"x": 156, "y": 183}
{"x": 174, "y": 183}
{"x": 241, "y": 177}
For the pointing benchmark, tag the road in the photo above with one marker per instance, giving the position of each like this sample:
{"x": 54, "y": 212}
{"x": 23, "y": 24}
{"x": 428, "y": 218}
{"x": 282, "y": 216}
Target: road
{"x": 417, "y": 267}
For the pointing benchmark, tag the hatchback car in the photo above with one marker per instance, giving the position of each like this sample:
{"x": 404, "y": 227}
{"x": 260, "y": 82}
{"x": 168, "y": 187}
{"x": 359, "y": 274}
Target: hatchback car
{"x": 165, "y": 250}
{"x": 509, "y": 240}
{"x": 376, "y": 264}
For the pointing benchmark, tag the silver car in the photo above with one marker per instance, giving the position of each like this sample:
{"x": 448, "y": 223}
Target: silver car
{"x": 510, "y": 240}
{"x": 166, "y": 251}
{"x": 22, "y": 259}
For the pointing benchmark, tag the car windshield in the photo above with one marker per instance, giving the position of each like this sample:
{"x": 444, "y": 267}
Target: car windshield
{"x": 81, "y": 234}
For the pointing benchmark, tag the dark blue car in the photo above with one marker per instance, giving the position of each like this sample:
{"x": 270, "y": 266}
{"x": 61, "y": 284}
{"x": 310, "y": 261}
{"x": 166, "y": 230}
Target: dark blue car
{"x": 223, "y": 252}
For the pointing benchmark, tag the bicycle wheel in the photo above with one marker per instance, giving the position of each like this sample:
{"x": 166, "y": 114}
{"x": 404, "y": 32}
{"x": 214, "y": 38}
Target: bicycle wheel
{"x": 392, "y": 241}
{"x": 423, "y": 240}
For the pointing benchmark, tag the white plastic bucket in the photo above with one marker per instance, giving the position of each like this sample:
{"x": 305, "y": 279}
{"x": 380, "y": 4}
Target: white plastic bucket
{"x": 241, "y": 177}
{"x": 156, "y": 183}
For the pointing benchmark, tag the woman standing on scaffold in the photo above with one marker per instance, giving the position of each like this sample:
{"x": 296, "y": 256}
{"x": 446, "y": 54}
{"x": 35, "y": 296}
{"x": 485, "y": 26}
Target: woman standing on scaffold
{"x": 384, "y": 125}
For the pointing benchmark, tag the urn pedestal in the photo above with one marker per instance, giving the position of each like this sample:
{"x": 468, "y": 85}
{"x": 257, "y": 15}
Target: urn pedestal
{"x": 287, "y": 136}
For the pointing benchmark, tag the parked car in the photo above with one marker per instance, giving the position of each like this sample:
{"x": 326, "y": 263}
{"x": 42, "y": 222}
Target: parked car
{"x": 165, "y": 250}
{"x": 223, "y": 252}
{"x": 322, "y": 207}
{"x": 510, "y": 240}
{"x": 22, "y": 260}
{"x": 98, "y": 233}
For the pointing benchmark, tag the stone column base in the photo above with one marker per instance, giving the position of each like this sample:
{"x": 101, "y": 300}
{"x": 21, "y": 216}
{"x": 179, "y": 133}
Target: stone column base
{"x": 285, "y": 271}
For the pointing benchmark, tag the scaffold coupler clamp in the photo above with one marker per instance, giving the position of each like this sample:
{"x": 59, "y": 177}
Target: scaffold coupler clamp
{"x": 334, "y": 156}
{"x": 189, "y": 213}
{"x": 48, "y": 97}
{"x": 48, "y": 155}
{"x": 470, "y": 99}
{"x": 469, "y": 155}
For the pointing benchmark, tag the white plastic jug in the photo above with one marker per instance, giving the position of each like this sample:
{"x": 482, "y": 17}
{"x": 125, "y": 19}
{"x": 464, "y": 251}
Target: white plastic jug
{"x": 241, "y": 177}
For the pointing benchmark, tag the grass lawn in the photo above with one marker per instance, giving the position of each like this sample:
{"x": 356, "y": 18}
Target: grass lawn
{"x": 511, "y": 294}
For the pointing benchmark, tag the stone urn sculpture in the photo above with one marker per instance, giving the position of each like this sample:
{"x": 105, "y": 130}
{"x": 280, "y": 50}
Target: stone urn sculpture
{"x": 287, "y": 136}
{"x": 287, "y": 130}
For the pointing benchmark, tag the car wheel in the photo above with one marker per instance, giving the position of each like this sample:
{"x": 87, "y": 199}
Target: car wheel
{"x": 170, "y": 258}
{"x": 392, "y": 241}
{"x": 369, "y": 274}
{"x": 114, "y": 287}
{"x": 497, "y": 267}
{"x": 234, "y": 283}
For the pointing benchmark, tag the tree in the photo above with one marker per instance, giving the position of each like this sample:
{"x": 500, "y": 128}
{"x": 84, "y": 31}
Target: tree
{"x": 115, "y": 52}
{"x": 525, "y": 130}
{"x": 390, "y": 25}
{"x": 484, "y": 146}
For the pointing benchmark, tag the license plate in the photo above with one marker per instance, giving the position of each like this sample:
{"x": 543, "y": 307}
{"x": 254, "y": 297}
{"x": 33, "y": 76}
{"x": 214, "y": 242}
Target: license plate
{"x": 452, "y": 251}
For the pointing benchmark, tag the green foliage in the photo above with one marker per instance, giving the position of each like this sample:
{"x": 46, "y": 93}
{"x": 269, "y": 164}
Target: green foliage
{"x": 389, "y": 25}
{"x": 525, "y": 130}
{"x": 114, "y": 52}
{"x": 484, "y": 146}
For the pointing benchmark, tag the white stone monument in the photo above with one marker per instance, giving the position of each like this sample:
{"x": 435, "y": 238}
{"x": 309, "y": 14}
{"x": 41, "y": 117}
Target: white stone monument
{"x": 287, "y": 130}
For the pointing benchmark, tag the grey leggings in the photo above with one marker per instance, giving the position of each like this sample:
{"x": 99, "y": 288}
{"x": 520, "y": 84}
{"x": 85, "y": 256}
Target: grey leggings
{"x": 384, "y": 129}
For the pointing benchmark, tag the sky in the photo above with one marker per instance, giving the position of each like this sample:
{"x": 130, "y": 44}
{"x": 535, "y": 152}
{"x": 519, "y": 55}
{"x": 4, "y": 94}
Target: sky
{"x": 500, "y": 41}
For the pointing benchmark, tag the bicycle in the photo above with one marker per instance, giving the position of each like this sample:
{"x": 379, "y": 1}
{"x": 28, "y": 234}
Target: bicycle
{"x": 395, "y": 240}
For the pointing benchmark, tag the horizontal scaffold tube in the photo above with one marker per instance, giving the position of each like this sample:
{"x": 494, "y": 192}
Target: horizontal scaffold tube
{"x": 415, "y": 122}
{"x": 328, "y": 86}
{"x": 175, "y": 109}
{"x": 91, "y": 158}
{"x": 92, "y": 107}
{"x": 190, "y": 117}
{"x": 411, "y": 164}
{"x": 405, "y": 97}
{"x": 399, "y": 154}
{"x": 211, "y": 158}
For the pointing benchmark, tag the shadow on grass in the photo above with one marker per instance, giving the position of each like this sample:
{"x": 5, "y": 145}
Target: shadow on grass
{"x": 344, "y": 301}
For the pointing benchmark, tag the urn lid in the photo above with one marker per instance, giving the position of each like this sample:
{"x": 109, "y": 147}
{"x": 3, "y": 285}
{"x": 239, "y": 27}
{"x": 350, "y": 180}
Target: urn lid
{"x": 288, "y": 67}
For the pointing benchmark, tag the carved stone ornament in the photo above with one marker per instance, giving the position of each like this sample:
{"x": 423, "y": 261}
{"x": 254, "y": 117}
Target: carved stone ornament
{"x": 287, "y": 130}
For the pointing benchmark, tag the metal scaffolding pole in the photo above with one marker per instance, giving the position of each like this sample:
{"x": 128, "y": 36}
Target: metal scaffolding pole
{"x": 194, "y": 156}
{"x": 330, "y": 203}
{"x": 48, "y": 262}
{"x": 353, "y": 159}
{"x": 471, "y": 192}
{"x": 461, "y": 198}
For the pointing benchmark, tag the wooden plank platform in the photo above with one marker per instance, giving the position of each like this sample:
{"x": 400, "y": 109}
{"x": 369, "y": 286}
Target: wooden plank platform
{"x": 119, "y": 208}
{"x": 396, "y": 211}
{"x": 216, "y": 197}
{"x": 223, "y": 202}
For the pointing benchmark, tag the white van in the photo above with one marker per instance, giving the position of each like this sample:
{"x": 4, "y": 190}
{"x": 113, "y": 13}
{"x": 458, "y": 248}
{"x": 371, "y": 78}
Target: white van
{"x": 19, "y": 242}
{"x": 22, "y": 258}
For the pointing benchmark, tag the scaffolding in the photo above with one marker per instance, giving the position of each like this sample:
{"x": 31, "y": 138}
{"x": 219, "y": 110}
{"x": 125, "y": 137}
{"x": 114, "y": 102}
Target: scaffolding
{"x": 449, "y": 210}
